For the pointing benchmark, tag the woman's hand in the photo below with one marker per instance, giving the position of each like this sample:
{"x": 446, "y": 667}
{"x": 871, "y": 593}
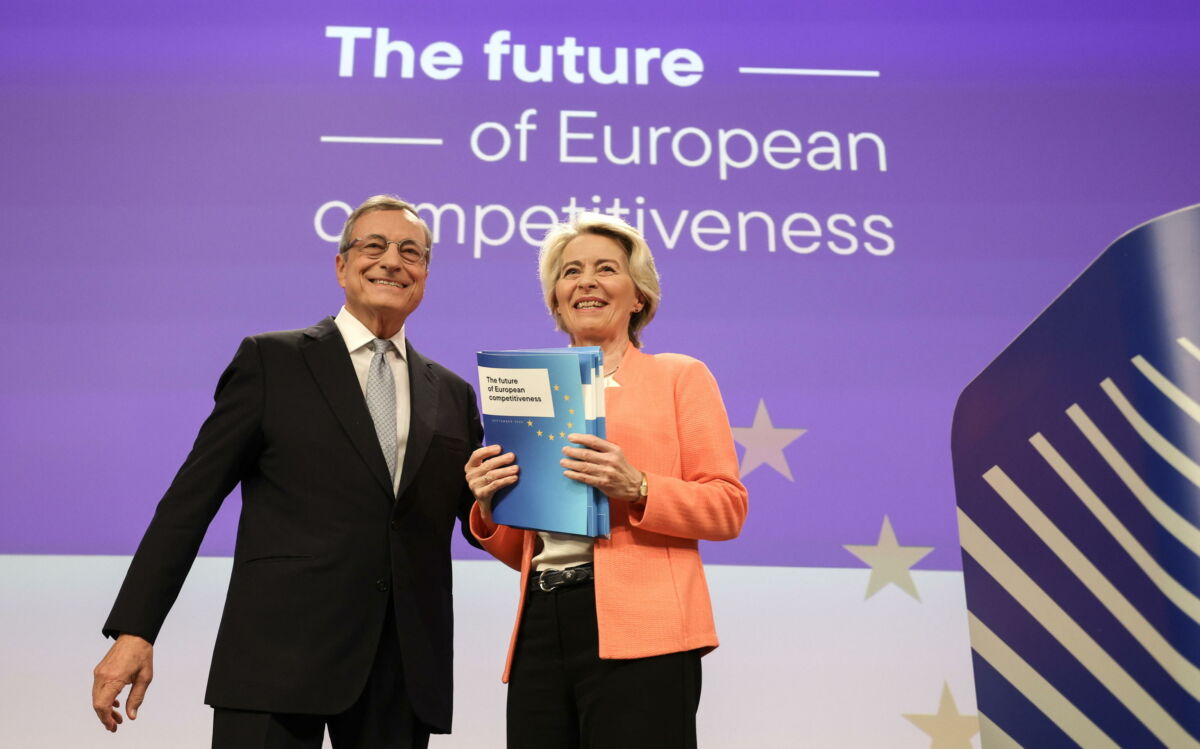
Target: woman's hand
{"x": 488, "y": 472}
{"x": 602, "y": 464}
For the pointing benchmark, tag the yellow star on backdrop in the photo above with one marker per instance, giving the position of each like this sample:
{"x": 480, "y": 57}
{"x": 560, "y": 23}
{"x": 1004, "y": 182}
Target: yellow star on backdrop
{"x": 539, "y": 432}
{"x": 948, "y": 728}
{"x": 552, "y": 437}
{"x": 556, "y": 388}
{"x": 889, "y": 561}
{"x": 764, "y": 443}
{"x": 529, "y": 423}
{"x": 566, "y": 397}
{"x": 571, "y": 411}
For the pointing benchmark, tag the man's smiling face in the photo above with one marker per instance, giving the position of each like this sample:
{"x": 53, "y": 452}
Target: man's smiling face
{"x": 382, "y": 292}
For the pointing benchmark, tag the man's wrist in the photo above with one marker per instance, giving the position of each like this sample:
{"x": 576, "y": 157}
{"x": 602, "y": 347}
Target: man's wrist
{"x": 127, "y": 636}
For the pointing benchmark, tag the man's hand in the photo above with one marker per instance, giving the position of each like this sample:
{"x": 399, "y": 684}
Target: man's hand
{"x": 129, "y": 661}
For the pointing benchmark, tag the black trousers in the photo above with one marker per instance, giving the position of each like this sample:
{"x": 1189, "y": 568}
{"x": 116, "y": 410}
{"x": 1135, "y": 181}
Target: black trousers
{"x": 562, "y": 695}
{"x": 381, "y": 718}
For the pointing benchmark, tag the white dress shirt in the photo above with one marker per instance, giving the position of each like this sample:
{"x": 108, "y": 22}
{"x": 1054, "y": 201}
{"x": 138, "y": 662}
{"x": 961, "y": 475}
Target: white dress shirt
{"x": 358, "y": 340}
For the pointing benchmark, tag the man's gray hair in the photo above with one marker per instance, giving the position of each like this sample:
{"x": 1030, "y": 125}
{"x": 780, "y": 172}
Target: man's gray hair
{"x": 382, "y": 203}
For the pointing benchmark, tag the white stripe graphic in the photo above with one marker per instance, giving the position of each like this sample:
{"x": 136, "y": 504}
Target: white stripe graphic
{"x": 1071, "y": 636}
{"x": 1150, "y": 435}
{"x": 1183, "y": 671}
{"x": 1017, "y": 671}
{"x": 1168, "y": 388}
{"x": 1167, "y": 517}
{"x": 1189, "y": 347}
{"x": 993, "y": 736}
{"x": 1170, "y": 587}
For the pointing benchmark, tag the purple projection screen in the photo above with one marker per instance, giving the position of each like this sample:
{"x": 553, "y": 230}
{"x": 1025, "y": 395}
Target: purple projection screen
{"x": 853, "y": 206}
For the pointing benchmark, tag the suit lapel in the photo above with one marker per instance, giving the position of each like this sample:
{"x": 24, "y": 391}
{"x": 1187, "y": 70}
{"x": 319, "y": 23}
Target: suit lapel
{"x": 423, "y": 399}
{"x": 325, "y": 353}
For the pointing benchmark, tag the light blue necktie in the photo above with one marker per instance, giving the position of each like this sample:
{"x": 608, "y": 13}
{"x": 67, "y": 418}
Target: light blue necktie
{"x": 381, "y": 402}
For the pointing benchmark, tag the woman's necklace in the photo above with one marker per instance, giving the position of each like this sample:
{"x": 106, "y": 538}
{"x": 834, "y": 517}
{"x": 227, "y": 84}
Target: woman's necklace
{"x": 613, "y": 372}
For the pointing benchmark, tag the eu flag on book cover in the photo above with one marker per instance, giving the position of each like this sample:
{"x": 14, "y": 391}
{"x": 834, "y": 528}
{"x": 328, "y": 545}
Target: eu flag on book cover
{"x": 531, "y": 400}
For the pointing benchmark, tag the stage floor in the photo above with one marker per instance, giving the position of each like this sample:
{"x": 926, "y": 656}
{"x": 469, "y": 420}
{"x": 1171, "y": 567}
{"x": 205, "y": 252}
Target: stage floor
{"x": 804, "y": 660}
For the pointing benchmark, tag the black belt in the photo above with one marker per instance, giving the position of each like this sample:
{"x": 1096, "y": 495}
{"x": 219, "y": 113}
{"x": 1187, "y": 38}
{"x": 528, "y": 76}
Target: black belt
{"x": 548, "y": 580}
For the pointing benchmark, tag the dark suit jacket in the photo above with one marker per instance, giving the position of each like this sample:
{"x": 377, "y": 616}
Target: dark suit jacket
{"x": 323, "y": 545}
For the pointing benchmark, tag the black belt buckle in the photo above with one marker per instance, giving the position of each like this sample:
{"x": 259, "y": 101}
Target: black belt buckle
{"x": 549, "y": 580}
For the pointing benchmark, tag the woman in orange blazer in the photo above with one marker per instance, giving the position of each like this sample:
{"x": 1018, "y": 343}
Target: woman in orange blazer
{"x": 606, "y": 649}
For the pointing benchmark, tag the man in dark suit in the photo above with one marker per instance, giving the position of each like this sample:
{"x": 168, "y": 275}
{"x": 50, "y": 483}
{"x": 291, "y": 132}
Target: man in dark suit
{"x": 349, "y": 447}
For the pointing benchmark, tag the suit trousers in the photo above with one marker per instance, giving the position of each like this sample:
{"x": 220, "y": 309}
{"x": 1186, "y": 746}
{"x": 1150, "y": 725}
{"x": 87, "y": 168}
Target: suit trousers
{"x": 562, "y": 695}
{"x": 381, "y": 718}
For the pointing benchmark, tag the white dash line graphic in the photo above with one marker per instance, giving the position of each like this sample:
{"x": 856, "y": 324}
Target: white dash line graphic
{"x": 385, "y": 141}
{"x": 811, "y": 71}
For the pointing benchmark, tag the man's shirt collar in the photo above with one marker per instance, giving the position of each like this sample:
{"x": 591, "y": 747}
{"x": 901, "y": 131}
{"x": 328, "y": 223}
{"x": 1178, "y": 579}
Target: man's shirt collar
{"x": 356, "y": 335}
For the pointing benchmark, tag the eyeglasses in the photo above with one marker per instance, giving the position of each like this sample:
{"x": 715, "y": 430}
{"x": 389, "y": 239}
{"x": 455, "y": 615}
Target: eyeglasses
{"x": 375, "y": 246}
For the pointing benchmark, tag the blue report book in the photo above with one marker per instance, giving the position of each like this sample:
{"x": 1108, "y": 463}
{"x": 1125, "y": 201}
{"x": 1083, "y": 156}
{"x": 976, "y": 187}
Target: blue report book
{"x": 531, "y": 400}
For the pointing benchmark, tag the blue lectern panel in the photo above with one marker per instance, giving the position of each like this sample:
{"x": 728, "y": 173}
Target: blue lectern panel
{"x": 1077, "y": 470}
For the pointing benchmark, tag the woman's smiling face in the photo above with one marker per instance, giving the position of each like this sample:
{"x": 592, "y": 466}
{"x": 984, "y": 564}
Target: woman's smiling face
{"x": 595, "y": 296}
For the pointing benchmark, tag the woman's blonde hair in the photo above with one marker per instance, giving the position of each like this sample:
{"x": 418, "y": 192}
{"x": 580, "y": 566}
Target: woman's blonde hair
{"x": 637, "y": 253}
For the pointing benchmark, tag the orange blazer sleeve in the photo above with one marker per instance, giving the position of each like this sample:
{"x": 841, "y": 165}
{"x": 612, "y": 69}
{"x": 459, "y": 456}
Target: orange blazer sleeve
{"x": 704, "y": 499}
{"x": 502, "y": 542}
